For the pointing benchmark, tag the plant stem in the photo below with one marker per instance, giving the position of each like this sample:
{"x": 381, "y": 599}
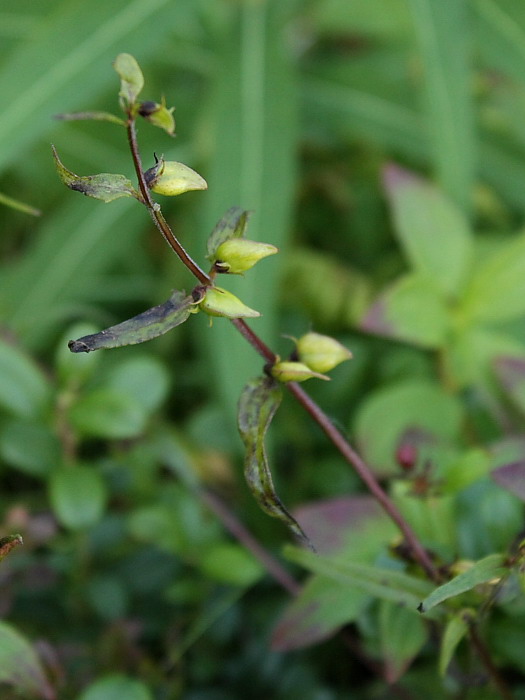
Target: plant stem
{"x": 492, "y": 671}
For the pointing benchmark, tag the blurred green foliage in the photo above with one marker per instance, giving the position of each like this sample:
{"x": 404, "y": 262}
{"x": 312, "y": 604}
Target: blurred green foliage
{"x": 381, "y": 148}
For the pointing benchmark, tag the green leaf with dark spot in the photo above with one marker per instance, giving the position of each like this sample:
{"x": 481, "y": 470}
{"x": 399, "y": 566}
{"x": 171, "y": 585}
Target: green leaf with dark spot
{"x": 104, "y": 186}
{"x": 131, "y": 78}
{"x": 259, "y": 401}
{"x": 232, "y": 225}
{"x": 482, "y": 571}
{"x": 147, "y": 325}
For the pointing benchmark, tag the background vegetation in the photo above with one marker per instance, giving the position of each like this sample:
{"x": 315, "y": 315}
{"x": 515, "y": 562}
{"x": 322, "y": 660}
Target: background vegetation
{"x": 130, "y": 583}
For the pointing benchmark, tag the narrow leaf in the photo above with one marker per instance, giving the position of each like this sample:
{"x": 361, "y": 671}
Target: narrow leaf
{"x": 232, "y": 225}
{"x": 131, "y": 78}
{"x": 456, "y": 629}
{"x": 257, "y": 406}
{"x": 482, "y": 571}
{"x": 104, "y": 186}
{"x": 91, "y": 116}
{"x": 19, "y": 206}
{"x": 147, "y": 325}
{"x": 386, "y": 584}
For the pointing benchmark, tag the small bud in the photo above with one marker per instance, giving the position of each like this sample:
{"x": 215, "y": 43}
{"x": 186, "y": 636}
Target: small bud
{"x": 406, "y": 456}
{"x": 170, "y": 178}
{"x": 158, "y": 115}
{"x": 219, "y": 302}
{"x": 320, "y": 352}
{"x": 294, "y": 372}
{"x": 236, "y": 255}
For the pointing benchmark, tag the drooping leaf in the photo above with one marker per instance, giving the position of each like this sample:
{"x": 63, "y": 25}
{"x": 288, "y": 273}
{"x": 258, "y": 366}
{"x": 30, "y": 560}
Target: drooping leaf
{"x": 147, "y": 325}
{"x": 20, "y": 667}
{"x": 105, "y": 186}
{"x": 78, "y": 496}
{"x": 232, "y": 225}
{"x": 386, "y": 584}
{"x": 456, "y": 628}
{"x": 131, "y": 78}
{"x": 402, "y": 635}
{"x": 91, "y": 116}
{"x": 491, "y": 567}
{"x": 412, "y": 310}
{"x": 434, "y": 234}
{"x": 258, "y": 403}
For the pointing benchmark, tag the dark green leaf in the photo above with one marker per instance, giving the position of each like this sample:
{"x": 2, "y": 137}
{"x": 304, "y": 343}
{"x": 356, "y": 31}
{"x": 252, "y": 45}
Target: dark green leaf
{"x": 484, "y": 570}
{"x": 20, "y": 667}
{"x": 131, "y": 78}
{"x": 147, "y": 325}
{"x": 24, "y": 390}
{"x": 232, "y": 225}
{"x": 110, "y": 414}
{"x": 105, "y": 186}
{"x": 91, "y": 116}
{"x": 258, "y": 403}
{"x": 116, "y": 687}
{"x": 31, "y": 447}
{"x": 455, "y": 630}
{"x": 78, "y": 496}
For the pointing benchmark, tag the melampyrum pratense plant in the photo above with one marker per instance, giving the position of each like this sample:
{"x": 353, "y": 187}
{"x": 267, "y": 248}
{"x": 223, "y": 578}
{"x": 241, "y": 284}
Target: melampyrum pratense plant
{"x": 422, "y": 586}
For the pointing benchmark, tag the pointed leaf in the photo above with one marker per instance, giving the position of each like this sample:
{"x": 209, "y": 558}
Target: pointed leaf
{"x": 258, "y": 403}
{"x": 482, "y": 571}
{"x": 386, "y": 584}
{"x": 455, "y": 630}
{"x": 131, "y": 78}
{"x": 433, "y": 232}
{"x": 91, "y": 116}
{"x": 20, "y": 667}
{"x": 104, "y": 186}
{"x": 158, "y": 115}
{"x": 147, "y": 325}
{"x": 232, "y": 225}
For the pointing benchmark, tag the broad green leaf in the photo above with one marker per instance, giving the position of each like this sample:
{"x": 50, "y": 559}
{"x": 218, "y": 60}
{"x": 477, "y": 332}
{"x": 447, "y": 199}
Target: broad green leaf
{"x": 432, "y": 231}
{"x": 91, "y": 116}
{"x": 456, "y": 628}
{"x": 19, "y": 206}
{"x": 412, "y": 310}
{"x": 253, "y": 138}
{"x": 131, "y": 78}
{"x": 386, "y": 584}
{"x": 78, "y": 496}
{"x": 320, "y": 609}
{"x": 105, "y": 186}
{"x": 147, "y": 325}
{"x": 402, "y": 635}
{"x": 116, "y": 687}
{"x": 491, "y": 567}
{"x": 389, "y": 412}
{"x": 231, "y": 564}
{"x": 258, "y": 403}
{"x": 24, "y": 390}
{"x": 443, "y": 30}
{"x": 495, "y": 290}
{"x": 30, "y": 447}
{"x": 232, "y": 225}
{"x": 20, "y": 667}
{"x": 107, "y": 413}
{"x": 143, "y": 378}
{"x": 9, "y": 543}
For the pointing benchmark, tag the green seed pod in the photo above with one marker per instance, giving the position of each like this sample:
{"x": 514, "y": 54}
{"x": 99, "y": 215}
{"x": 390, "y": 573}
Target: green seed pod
{"x": 219, "y": 302}
{"x": 170, "y": 178}
{"x": 294, "y": 372}
{"x": 236, "y": 255}
{"x": 320, "y": 352}
{"x": 159, "y": 115}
